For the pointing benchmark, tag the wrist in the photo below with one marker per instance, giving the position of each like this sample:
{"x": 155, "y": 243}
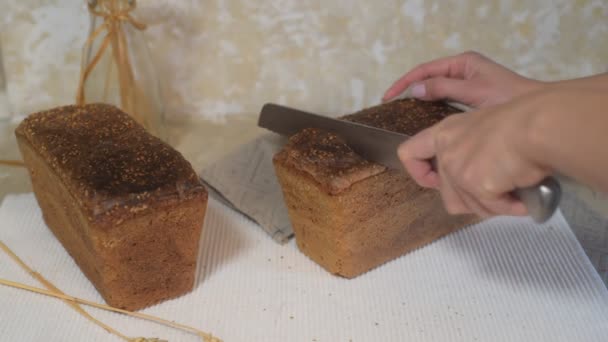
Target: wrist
{"x": 596, "y": 82}
{"x": 539, "y": 131}
{"x": 531, "y": 86}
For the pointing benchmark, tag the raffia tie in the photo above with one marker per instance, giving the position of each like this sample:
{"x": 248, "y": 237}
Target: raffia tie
{"x": 114, "y": 17}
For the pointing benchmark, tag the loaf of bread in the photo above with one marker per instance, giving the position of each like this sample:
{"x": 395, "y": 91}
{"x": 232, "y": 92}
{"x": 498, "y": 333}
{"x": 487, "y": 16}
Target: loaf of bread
{"x": 127, "y": 207}
{"x": 349, "y": 214}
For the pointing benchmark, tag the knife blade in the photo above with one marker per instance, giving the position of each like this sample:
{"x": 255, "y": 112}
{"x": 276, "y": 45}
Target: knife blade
{"x": 369, "y": 142}
{"x": 380, "y": 146}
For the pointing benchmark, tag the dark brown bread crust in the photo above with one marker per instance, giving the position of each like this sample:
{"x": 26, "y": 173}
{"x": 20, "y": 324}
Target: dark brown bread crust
{"x": 334, "y": 165}
{"x": 107, "y": 160}
{"x": 327, "y": 159}
{"x": 407, "y": 116}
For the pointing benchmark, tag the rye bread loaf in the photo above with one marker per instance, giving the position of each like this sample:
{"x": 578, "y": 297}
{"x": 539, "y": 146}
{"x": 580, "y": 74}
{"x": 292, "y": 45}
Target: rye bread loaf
{"x": 127, "y": 207}
{"x": 349, "y": 214}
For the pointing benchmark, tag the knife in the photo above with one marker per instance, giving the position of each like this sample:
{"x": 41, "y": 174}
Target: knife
{"x": 380, "y": 146}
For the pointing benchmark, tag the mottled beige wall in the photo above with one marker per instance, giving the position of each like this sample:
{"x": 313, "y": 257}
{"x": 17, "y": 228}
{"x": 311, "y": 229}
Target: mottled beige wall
{"x": 221, "y": 58}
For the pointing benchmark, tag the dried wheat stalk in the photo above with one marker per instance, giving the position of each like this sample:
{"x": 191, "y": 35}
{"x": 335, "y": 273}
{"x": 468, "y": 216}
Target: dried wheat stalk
{"x": 72, "y": 301}
{"x": 16, "y": 163}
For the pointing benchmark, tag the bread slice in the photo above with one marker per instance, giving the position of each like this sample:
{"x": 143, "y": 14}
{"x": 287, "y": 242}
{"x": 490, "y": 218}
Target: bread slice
{"x": 350, "y": 215}
{"x": 127, "y": 207}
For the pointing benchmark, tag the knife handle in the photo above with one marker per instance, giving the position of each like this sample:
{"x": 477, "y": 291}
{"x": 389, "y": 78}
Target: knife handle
{"x": 541, "y": 200}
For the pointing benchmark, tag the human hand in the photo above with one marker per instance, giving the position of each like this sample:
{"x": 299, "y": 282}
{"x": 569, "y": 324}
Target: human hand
{"x": 482, "y": 156}
{"x": 468, "y": 78}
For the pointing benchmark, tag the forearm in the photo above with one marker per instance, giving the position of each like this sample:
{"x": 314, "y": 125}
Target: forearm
{"x": 599, "y": 81}
{"x": 569, "y": 132}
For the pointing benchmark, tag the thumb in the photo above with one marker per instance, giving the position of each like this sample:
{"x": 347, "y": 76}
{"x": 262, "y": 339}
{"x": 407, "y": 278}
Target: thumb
{"x": 439, "y": 88}
{"x": 415, "y": 154}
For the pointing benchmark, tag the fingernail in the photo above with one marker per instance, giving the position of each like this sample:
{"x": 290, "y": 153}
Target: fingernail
{"x": 387, "y": 96}
{"x": 418, "y": 90}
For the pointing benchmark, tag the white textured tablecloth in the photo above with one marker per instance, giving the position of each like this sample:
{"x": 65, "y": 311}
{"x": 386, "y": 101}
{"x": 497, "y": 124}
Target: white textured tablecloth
{"x": 502, "y": 280}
